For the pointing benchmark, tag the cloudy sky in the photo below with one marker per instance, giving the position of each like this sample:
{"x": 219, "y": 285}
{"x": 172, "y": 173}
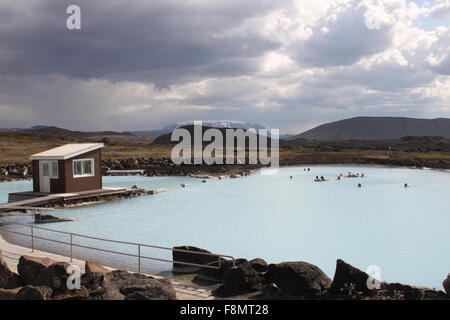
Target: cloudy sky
{"x": 288, "y": 64}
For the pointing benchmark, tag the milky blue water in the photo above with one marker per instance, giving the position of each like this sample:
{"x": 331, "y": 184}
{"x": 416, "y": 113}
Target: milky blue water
{"x": 404, "y": 231}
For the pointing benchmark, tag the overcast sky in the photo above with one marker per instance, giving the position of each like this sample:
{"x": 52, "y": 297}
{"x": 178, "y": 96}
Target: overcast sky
{"x": 288, "y": 64}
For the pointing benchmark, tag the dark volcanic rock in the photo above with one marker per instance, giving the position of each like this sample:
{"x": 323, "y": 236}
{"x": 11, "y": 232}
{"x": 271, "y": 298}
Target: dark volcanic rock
{"x": 30, "y": 267}
{"x": 8, "y": 279}
{"x": 9, "y": 294}
{"x": 48, "y": 218}
{"x": 138, "y": 285}
{"x": 238, "y": 280}
{"x": 98, "y": 288}
{"x": 152, "y": 290}
{"x": 446, "y": 284}
{"x": 92, "y": 280}
{"x": 298, "y": 278}
{"x": 400, "y": 291}
{"x": 216, "y": 275}
{"x": 94, "y": 267}
{"x": 120, "y": 285}
{"x": 34, "y": 293}
{"x": 190, "y": 257}
{"x": 76, "y": 294}
{"x": 347, "y": 276}
{"x": 259, "y": 265}
{"x": 54, "y": 276}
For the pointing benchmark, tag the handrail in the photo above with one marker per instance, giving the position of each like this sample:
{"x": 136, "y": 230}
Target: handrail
{"x": 139, "y": 245}
{"x": 6, "y": 206}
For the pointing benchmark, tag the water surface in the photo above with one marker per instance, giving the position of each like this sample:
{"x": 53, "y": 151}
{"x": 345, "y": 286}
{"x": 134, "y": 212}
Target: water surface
{"x": 404, "y": 231}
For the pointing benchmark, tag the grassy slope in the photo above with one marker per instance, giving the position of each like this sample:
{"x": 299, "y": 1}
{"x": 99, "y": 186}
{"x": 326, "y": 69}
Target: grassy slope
{"x": 15, "y": 147}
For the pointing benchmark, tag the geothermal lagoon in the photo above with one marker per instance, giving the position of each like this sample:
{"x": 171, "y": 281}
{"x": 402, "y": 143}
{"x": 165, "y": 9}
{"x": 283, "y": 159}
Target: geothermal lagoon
{"x": 403, "y": 231}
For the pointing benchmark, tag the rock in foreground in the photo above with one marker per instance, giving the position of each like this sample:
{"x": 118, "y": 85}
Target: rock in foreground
{"x": 34, "y": 293}
{"x": 299, "y": 279}
{"x": 238, "y": 280}
{"x": 195, "y": 256}
{"x": 54, "y": 276}
{"x": 347, "y": 276}
{"x": 215, "y": 274}
{"x": 122, "y": 285}
{"x": 259, "y": 265}
{"x": 30, "y": 267}
{"x": 8, "y": 279}
{"x": 94, "y": 267}
{"x": 446, "y": 284}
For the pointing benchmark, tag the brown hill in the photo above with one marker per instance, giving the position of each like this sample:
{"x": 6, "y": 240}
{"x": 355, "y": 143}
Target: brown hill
{"x": 409, "y": 144}
{"x": 165, "y": 139}
{"x": 378, "y": 128}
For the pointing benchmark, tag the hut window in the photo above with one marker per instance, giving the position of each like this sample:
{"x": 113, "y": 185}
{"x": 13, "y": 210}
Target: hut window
{"x": 55, "y": 169}
{"x": 45, "y": 170}
{"x": 50, "y": 169}
{"x": 83, "y": 168}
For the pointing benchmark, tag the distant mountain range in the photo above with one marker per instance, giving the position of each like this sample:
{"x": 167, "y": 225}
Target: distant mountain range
{"x": 207, "y": 123}
{"x": 64, "y": 132}
{"x": 166, "y": 139}
{"x": 377, "y": 128}
{"x": 359, "y": 128}
{"x": 23, "y": 129}
{"x": 157, "y": 132}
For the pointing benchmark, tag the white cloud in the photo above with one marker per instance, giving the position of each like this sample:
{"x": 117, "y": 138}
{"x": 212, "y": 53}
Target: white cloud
{"x": 441, "y": 9}
{"x": 288, "y": 64}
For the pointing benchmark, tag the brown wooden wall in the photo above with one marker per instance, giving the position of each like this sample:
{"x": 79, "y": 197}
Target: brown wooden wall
{"x": 72, "y": 184}
{"x": 35, "y": 164}
{"x": 66, "y": 183}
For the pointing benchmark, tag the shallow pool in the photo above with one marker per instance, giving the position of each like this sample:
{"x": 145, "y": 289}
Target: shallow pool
{"x": 404, "y": 231}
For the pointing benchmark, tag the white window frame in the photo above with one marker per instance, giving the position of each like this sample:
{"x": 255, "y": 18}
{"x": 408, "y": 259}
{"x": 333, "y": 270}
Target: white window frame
{"x": 82, "y": 168}
{"x": 51, "y": 164}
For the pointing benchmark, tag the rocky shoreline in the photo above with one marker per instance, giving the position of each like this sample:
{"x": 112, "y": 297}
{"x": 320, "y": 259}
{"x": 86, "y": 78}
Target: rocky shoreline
{"x": 151, "y": 167}
{"x": 165, "y": 167}
{"x": 46, "y": 279}
{"x": 256, "y": 279}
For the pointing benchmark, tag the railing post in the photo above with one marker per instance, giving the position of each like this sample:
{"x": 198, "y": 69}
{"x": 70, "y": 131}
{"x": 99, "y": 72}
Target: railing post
{"x": 139, "y": 258}
{"x": 32, "y": 239}
{"x": 71, "y": 247}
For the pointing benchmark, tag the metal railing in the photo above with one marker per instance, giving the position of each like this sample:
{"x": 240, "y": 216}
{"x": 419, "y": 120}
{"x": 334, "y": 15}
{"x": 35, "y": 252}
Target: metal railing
{"x": 139, "y": 246}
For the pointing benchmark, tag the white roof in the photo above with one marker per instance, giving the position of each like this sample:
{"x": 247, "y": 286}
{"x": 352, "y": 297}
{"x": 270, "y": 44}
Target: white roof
{"x": 66, "y": 151}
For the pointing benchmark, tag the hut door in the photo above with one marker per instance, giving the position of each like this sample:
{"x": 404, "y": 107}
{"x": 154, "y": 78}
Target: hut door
{"x": 44, "y": 176}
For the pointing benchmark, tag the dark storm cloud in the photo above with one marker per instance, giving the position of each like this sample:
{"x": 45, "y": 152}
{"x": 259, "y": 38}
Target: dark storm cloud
{"x": 291, "y": 64}
{"x": 161, "y": 42}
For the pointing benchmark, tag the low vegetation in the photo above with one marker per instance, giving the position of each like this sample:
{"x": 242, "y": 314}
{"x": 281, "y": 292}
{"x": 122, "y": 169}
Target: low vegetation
{"x": 16, "y": 146}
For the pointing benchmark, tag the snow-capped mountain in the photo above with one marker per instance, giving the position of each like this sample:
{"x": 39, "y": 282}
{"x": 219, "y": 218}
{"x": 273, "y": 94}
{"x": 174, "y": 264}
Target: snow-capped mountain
{"x": 217, "y": 124}
{"x": 207, "y": 123}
